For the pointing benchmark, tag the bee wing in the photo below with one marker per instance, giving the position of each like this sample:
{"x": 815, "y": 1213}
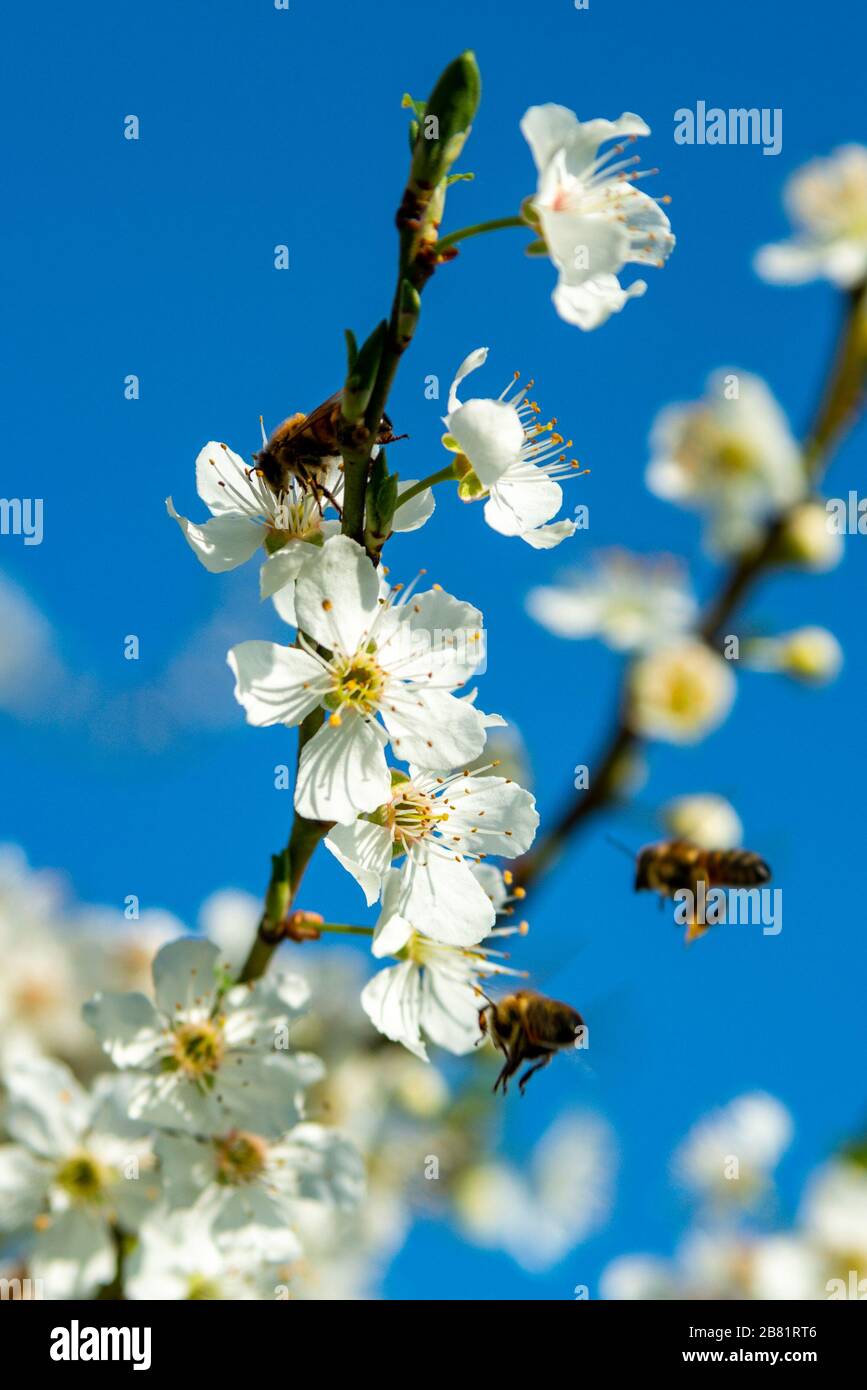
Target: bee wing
{"x": 296, "y": 425}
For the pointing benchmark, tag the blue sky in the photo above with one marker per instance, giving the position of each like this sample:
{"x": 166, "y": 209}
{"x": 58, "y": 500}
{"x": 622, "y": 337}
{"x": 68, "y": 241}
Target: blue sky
{"x": 155, "y": 257}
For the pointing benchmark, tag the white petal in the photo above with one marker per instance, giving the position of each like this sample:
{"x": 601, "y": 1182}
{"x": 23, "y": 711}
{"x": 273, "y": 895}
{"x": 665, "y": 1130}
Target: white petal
{"x": 283, "y": 566}
{"x": 73, "y": 1256}
{"x": 450, "y": 1010}
{"x": 546, "y": 537}
{"x": 364, "y": 850}
{"x": 442, "y": 899}
{"x": 490, "y": 433}
{"x": 566, "y": 612}
{"x": 469, "y": 364}
{"x": 547, "y": 129}
{"x": 24, "y": 1184}
{"x": 46, "y": 1109}
{"x": 391, "y": 932}
{"x": 343, "y": 771}
{"x": 326, "y": 1167}
{"x": 128, "y": 1028}
{"x": 590, "y": 304}
{"x": 222, "y": 543}
{"x": 337, "y": 595}
{"x": 392, "y": 1002}
{"x": 276, "y": 685}
{"x": 490, "y": 815}
{"x": 438, "y": 639}
{"x": 250, "y": 1220}
{"x": 414, "y": 513}
{"x": 523, "y": 498}
{"x": 584, "y": 248}
{"x": 434, "y": 729}
{"x": 184, "y": 977}
{"x": 217, "y": 463}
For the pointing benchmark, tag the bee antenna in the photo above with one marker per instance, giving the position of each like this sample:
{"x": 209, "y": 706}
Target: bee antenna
{"x": 262, "y": 428}
{"x": 478, "y": 990}
{"x": 618, "y": 844}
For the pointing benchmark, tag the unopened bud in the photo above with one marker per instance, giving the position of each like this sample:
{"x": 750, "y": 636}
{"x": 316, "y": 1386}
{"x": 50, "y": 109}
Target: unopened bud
{"x": 448, "y": 115}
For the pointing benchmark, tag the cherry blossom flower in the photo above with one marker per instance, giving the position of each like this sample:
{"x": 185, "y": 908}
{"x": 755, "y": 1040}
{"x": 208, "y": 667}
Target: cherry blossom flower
{"x": 440, "y": 825}
{"x": 207, "y": 1057}
{"x": 731, "y": 1153}
{"x": 248, "y": 1187}
{"x": 827, "y": 201}
{"x": 811, "y": 655}
{"x": 77, "y": 1168}
{"x": 706, "y": 820}
{"x": 361, "y": 654}
{"x": 680, "y": 692}
{"x": 432, "y": 993}
{"x": 629, "y": 601}
{"x": 507, "y": 456}
{"x": 731, "y": 455}
{"x": 593, "y": 218}
{"x": 247, "y": 513}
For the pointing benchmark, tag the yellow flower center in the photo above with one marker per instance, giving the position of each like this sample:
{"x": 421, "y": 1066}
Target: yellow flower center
{"x": 201, "y": 1288}
{"x": 240, "y": 1158}
{"x": 358, "y": 683}
{"x": 82, "y": 1179}
{"x": 198, "y": 1048}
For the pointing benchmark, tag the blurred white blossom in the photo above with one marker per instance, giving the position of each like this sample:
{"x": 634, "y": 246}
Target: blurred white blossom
{"x": 811, "y": 655}
{"x": 827, "y": 202}
{"x": 731, "y": 1153}
{"x": 731, "y": 456}
{"x": 629, "y": 601}
{"x": 706, "y": 820}
{"x": 680, "y": 692}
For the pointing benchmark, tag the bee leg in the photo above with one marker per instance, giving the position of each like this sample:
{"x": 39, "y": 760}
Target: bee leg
{"x": 530, "y": 1071}
{"x": 509, "y": 1068}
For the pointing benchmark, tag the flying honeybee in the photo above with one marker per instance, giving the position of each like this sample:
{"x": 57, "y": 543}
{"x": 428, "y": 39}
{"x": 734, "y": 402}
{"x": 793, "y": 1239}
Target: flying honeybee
{"x": 528, "y": 1027}
{"x": 302, "y": 445}
{"x": 673, "y": 866}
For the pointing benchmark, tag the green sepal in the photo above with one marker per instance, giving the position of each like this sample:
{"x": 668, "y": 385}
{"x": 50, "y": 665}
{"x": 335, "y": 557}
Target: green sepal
{"x": 360, "y": 380}
{"x": 381, "y": 502}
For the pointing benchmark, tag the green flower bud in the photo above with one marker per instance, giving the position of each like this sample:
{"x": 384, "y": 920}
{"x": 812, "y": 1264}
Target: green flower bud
{"x": 381, "y": 502}
{"x": 362, "y": 375}
{"x": 446, "y": 122}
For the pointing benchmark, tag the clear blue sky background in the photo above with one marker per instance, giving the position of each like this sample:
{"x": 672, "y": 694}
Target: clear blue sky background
{"x": 156, "y": 258}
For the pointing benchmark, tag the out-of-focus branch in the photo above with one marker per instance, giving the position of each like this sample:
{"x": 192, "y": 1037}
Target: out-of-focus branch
{"x": 836, "y": 413}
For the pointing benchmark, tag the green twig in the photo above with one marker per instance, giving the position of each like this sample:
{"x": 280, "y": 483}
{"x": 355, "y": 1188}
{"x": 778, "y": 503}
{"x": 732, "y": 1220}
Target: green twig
{"x": 478, "y": 228}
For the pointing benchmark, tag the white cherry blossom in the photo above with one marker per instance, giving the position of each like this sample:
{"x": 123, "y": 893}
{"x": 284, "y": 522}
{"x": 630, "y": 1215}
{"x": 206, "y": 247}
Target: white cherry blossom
{"x": 827, "y": 201}
{"x": 432, "y": 993}
{"x": 207, "y": 1057}
{"x": 680, "y": 692}
{"x": 507, "y": 456}
{"x": 629, "y": 601}
{"x": 592, "y": 217}
{"x": 440, "y": 825}
{"x": 77, "y": 1168}
{"x": 731, "y": 456}
{"x": 361, "y": 654}
{"x": 247, "y": 513}
{"x": 248, "y": 1187}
